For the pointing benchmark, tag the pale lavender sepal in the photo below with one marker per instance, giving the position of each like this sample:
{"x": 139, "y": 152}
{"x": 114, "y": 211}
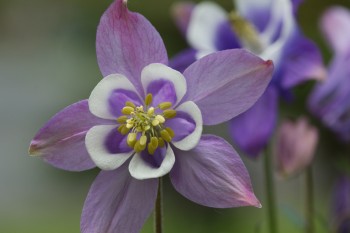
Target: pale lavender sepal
{"x": 126, "y": 42}
{"x": 226, "y": 83}
{"x": 181, "y": 13}
{"x": 117, "y": 202}
{"x": 183, "y": 59}
{"x": 252, "y": 130}
{"x": 61, "y": 142}
{"x": 302, "y": 61}
{"x": 212, "y": 174}
{"x": 335, "y": 24}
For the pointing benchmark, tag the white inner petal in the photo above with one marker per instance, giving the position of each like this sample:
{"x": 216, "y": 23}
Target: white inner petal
{"x": 190, "y": 141}
{"x": 140, "y": 169}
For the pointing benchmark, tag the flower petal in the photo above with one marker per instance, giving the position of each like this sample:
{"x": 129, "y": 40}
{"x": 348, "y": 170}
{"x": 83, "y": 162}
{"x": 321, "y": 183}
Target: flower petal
{"x": 117, "y": 202}
{"x": 302, "y": 62}
{"x": 61, "y": 141}
{"x": 164, "y": 83}
{"x": 187, "y": 126}
{"x": 213, "y": 175}
{"x": 145, "y": 166}
{"x": 252, "y": 130}
{"x": 126, "y": 42}
{"x": 205, "y": 21}
{"x": 335, "y": 24}
{"x": 182, "y": 60}
{"x": 226, "y": 83}
{"x": 107, "y": 147}
{"x": 181, "y": 13}
{"x": 109, "y": 96}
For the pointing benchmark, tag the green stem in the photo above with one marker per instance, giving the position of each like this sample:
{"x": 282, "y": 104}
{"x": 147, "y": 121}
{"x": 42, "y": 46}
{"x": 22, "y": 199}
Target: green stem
{"x": 158, "y": 215}
{"x": 309, "y": 201}
{"x": 270, "y": 192}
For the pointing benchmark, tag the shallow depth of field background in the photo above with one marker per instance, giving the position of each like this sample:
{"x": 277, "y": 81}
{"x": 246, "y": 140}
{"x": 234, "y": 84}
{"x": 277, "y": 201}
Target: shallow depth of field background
{"x": 47, "y": 61}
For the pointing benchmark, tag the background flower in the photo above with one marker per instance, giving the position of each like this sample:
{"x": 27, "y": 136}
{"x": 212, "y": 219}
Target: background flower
{"x": 268, "y": 29}
{"x": 330, "y": 100}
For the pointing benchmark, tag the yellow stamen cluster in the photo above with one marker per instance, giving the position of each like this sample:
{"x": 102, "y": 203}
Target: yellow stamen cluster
{"x": 145, "y": 128}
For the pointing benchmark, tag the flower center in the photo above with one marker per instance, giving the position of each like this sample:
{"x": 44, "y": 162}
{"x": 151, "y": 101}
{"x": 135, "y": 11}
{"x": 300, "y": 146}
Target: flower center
{"x": 246, "y": 32}
{"x": 145, "y": 125}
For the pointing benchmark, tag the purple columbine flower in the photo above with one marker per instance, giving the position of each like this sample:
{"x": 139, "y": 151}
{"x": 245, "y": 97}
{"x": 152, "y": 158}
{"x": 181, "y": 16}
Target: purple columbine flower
{"x": 295, "y": 146}
{"x": 330, "y": 100}
{"x": 267, "y": 28}
{"x": 340, "y": 213}
{"x": 144, "y": 120}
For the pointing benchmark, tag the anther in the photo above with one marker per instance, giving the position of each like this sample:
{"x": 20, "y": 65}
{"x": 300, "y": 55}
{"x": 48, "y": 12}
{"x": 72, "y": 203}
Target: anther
{"x": 143, "y": 140}
{"x": 165, "y": 135}
{"x": 170, "y": 132}
{"x": 161, "y": 142}
{"x": 122, "y": 119}
{"x": 130, "y": 104}
{"x": 148, "y": 99}
{"x": 131, "y": 140}
{"x": 127, "y": 110}
{"x": 155, "y": 122}
{"x": 150, "y": 111}
{"x": 169, "y": 113}
{"x": 165, "y": 105}
{"x": 160, "y": 118}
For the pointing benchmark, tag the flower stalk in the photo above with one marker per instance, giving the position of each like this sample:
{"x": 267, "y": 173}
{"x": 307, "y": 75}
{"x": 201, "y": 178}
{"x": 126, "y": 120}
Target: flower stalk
{"x": 270, "y": 192}
{"x": 158, "y": 212}
{"x": 309, "y": 201}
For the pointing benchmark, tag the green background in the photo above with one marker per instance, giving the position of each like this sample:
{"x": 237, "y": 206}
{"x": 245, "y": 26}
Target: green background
{"x": 48, "y": 61}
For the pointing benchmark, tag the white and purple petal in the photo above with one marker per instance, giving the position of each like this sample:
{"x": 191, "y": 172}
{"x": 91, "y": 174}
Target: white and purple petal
{"x": 126, "y": 42}
{"x": 145, "y": 166}
{"x": 117, "y": 202}
{"x": 164, "y": 83}
{"x": 61, "y": 142}
{"x": 187, "y": 126}
{"x": 253, "y": 129}
{"x": 212, "y": 174}
{"x": 107, "y": 147}
{"x": 205, "y": 23}
{"x": 226, "y": 83}
{"x": 108, "y": 98}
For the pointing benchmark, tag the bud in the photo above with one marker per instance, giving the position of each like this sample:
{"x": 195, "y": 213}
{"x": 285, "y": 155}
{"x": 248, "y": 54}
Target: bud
{"x": 295, "y": 146}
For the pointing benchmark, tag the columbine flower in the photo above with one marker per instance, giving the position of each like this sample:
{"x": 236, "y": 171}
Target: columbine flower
{"x": 295, "y": 146}
{"x": 330, "y": 100}
{"x": 341, "y": 206}
{"x": 144, "y": 120}
{"x": 266, "y": 28}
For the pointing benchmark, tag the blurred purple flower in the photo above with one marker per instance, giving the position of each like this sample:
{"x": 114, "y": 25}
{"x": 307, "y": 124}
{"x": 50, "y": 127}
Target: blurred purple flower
{"x": 295, "y": 146}
{"x": 330, "y": 100}
{"x": 144, "y": 120}
{"x": 341, "y": 206}
{"x": 269, "y": 29}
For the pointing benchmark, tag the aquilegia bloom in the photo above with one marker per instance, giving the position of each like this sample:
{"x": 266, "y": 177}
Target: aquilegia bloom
{"x": 144, "y": 120}
{"x": 267, "y": 28}
{"x": 330, "y": 100}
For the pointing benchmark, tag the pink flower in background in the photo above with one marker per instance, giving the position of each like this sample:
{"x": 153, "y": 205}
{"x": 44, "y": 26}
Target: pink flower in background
{"x": 295, "y": 146}
{"x": 144, "y": 120}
